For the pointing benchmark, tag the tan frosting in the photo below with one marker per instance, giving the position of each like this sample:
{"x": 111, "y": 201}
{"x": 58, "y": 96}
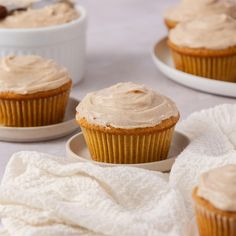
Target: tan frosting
{"x": 191, "y": 9}
{"x": 30, "y": 74}
{"x": 126, "y": 105}
{"x": 218, "y": 186}
{"x": 211, "y": 32}
{"x": 50, "y": 15}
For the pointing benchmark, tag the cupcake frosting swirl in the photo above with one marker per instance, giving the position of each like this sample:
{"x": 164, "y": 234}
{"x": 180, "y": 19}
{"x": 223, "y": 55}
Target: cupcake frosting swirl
{"x": 50, "y": 15}
{"x": 126, "y": 105}
{"x": 218, "y": 186}
{"x": 30, "y": 74}
{"x": 211, "y": 32}
{"x": 191, "y": 9}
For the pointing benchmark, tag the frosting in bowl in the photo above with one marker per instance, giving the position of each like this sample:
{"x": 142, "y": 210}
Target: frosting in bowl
{"x": 218, "y": 186}
{"x": 50, "y": 15}
{"x": 211, "y": 32}
{"x": 30, "y": 74}
{"x": 126, "y": 105}
{"x": 191, "y": 9}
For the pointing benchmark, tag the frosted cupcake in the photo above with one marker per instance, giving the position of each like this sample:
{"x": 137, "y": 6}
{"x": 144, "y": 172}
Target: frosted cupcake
{"x": 215, "y": 203}
{"x": 189, "y": 10}
{"x": 127, "y": 124}
{"x": 33, "y": 91}
{"x": 206, "y": 47}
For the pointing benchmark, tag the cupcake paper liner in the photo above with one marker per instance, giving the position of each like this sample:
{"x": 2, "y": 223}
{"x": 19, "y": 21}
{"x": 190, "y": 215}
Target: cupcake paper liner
{"x": 218, "y": 67}
{"x": 213, "y": 222}
{"x": 38, "y": 111}
{"x": 128, "y": 148}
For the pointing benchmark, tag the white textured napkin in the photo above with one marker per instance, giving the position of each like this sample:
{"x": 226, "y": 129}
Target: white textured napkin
{"x": 213, "y": 143}
{"x": 42, "y": 195}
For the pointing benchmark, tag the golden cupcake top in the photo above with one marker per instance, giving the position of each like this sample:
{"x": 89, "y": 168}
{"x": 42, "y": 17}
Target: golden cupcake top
{"x": 218, "y": 186}
{"x": 211, "y": 32}
{"x": 55, "y": 14}
{"x": 30, "y": 74}
{"x": 126, "y": 105}
{"x": 191, "y": 9}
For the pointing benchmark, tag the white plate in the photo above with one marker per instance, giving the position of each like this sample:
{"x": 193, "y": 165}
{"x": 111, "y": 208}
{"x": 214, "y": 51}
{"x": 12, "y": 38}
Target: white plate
{"x": 162, "y": 58}
{"x": 42, "y": 133}
{"x": 76, "y": 148}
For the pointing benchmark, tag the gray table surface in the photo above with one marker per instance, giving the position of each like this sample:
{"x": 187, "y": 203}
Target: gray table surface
{"x": 121, "y": 36}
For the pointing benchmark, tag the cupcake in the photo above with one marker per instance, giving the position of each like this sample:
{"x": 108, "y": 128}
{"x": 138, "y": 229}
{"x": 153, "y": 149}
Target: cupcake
{"x": 215, "y": 204}
{"x": 206, "y": 47}
{"x": 127, "y": 124}
{"x": 189, "y": 10}
{"x": 33, "y": 91}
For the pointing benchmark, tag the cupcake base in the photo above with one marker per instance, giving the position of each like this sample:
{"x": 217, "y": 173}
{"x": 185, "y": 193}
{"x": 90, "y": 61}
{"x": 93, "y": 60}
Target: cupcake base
{"x": 213, "y": 64}
{"x": 212, "y": 221}
{"x": 38, "y": 109}
{"x": 129, "y": 146}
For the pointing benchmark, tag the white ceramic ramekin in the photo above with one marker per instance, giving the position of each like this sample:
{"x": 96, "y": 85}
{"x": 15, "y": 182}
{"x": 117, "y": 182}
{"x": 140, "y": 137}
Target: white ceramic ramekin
{"x": 66, "y": 43}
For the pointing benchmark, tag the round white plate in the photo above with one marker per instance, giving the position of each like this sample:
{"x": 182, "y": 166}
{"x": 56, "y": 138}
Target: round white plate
{"x": 162, "y": 58}
{"x": 42, "y": 133}
{"x": 77, "y": 148}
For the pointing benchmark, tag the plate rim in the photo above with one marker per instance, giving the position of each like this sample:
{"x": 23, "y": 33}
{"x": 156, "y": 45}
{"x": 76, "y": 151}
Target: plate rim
{"x": 70, "y": 153}
{"x": 167, "y": 70}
